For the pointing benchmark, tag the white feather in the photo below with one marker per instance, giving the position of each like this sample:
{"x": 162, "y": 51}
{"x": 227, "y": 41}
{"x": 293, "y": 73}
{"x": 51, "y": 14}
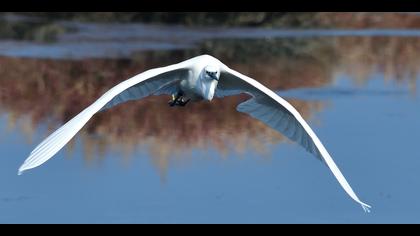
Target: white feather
{"x": 265, "y": 105}
{"x": 160, "y": 77}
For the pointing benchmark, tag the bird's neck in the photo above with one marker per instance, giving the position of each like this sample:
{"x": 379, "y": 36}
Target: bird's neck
{"x": 206, "y": 87}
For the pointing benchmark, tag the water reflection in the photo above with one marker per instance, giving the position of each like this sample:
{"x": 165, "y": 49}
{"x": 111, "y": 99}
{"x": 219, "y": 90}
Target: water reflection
{"x": 51, "y": 92}
{"x": 38, "y": 92}
{"x": 394, "y": 57}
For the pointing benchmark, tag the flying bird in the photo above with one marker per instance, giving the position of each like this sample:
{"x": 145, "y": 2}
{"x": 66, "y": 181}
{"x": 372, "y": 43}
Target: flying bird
{"x": 200, "y": 78}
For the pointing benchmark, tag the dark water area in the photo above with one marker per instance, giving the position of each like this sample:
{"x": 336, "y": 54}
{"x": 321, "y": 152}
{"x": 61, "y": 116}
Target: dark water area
{"x": 145, "y": 162}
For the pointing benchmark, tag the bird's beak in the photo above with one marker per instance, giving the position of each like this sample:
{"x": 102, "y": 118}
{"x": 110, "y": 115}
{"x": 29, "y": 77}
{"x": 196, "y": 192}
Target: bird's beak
{"x": 214, "y": 77}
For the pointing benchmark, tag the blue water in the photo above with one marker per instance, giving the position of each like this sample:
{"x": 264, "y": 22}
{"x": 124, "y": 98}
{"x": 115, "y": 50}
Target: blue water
{"x": 373, "y": 139}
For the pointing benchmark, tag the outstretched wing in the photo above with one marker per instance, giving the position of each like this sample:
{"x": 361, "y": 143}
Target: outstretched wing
{"x": 154, "y": 81}
{"x": 277, "y": 113}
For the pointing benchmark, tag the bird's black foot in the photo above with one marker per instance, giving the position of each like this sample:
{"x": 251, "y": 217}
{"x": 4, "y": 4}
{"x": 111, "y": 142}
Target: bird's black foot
{"x": 182, "y": 102}
{"x": 178, "y": 100}
{"x": 173, "y": 101}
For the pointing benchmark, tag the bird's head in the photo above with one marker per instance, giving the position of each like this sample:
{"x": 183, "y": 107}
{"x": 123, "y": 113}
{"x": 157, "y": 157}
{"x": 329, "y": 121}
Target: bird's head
{"x": 210, "y": 78}
{"x": 212, "y": 72}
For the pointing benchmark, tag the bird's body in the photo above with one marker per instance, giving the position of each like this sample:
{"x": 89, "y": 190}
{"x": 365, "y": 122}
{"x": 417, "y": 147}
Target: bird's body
{"x": 200, "y": 78}
{"x": 198, "y": 85}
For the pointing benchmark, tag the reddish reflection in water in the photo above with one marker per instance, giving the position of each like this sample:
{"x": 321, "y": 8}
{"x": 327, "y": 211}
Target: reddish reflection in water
{"x": 51, "y": 92}
{"x": 394, "y": 57}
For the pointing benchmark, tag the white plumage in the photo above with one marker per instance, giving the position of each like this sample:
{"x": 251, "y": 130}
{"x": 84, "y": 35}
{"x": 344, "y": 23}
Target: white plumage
{"x": 199, "y": 78}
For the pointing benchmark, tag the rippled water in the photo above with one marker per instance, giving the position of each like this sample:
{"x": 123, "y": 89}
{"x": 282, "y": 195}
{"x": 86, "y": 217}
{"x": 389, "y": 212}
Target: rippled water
{"x": 144, "y": 162}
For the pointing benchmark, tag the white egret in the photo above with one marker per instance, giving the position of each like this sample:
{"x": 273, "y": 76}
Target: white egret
{"x": 196, "y": 79}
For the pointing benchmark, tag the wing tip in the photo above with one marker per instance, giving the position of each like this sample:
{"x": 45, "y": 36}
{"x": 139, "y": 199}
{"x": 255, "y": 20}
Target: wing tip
{"x": 22, "y": 169}
{"x": 365, "y": 207}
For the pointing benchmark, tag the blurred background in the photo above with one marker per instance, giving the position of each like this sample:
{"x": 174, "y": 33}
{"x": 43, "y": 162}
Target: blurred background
{"x": 353, "y": 77}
